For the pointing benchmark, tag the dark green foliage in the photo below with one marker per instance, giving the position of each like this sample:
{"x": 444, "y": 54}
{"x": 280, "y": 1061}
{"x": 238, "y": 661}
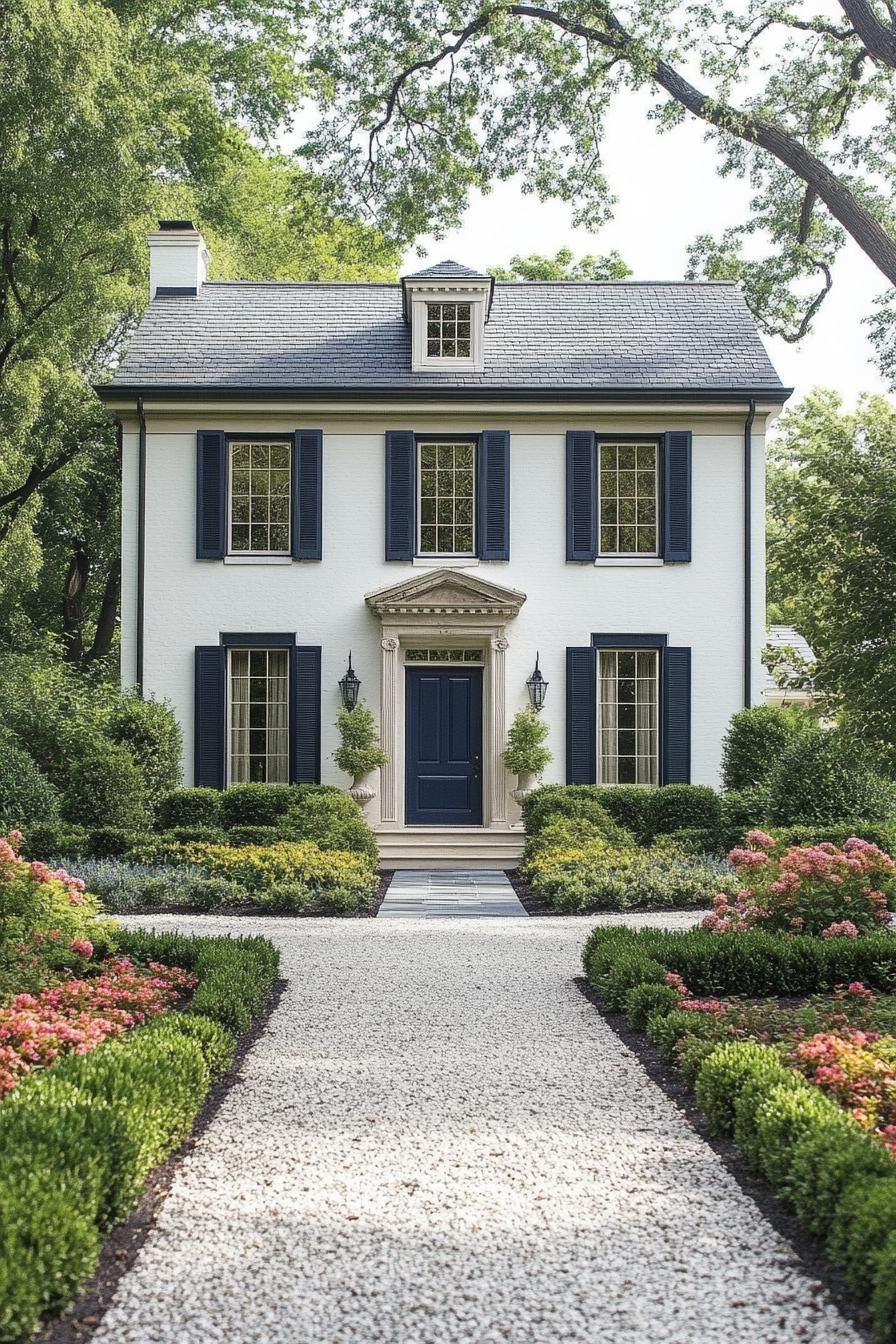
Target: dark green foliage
{"x": 631, "y": 807}
{"x": 332, "y": 821}
{"x": 678, "y": 805}
{"x": 103, "y": 787}
{"x": 725, "y": 1073}
{"x": 26, "y": 795}
{"x": 742, "y": 811}
{"x": 862, "y": 1226}
{"x": 883, "y": 1299}
{"x": 152, "y": 735}
{"x": 253, "y": 835}
{"x": 289, "y": 898}
{"x": 111, "y": 842}
{"x": 255, "y": 804}
{"x": 189, "y": 807}
{"x": 209, "y": 835}
{"x": 756, "y": 740}
{"x": 821, "y": 779}
{"x": 666, "y": 1031}
{"x": 578, "y": 802}
{"x": 622, "y": 974}
{"x": 831, "y": 1157}
{"x": 55, "y": 840}
{"x": 213, "y": 893}
{"x": 647, "y": 999}
{"x": 754, "y": 964}
{"x": 697, "y": 839}
{"x": 880, "y": 833}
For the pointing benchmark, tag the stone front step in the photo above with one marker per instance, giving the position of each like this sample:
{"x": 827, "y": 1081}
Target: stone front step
{"x": 450, "y": 847}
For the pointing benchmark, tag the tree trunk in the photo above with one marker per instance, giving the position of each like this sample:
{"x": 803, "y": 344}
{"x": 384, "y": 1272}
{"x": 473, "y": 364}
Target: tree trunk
{"x": 76, "y": 581}
{"x": 106, "y": 621}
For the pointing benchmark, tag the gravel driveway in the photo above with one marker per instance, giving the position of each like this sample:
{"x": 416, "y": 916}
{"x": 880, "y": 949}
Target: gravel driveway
{"x": 439, "y": 1140}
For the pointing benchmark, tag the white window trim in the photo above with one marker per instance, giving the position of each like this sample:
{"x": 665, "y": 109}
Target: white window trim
{"x": 248, "y": 557}
{"x": 446, "y": 556}
{"x": 228, "y": 708}
{"x": 629, "y": 557}
{"x": 476, "y": 295}
{"x": 658, "y": 757}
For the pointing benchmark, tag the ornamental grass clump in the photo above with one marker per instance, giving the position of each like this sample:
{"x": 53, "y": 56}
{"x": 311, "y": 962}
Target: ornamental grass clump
{"x": 816, "y": 889}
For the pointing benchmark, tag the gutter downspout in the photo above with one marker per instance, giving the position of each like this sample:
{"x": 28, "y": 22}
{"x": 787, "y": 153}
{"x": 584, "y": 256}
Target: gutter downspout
{"x": 141, "y": 539}
{"x": 748, "y": 554}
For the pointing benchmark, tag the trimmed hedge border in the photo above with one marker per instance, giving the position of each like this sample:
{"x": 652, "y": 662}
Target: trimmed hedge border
{"x": 78, "y": 1141}
{"x": 840, "y": 1183}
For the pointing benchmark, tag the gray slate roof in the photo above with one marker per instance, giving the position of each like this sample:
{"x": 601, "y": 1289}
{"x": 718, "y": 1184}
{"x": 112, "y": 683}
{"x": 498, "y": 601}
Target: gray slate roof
{"x": 566, "y": 336}
{"x": 448, "y": 270}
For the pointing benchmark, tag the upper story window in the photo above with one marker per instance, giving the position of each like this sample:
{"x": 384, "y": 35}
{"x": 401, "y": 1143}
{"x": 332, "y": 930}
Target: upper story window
{"x": 260, "y": 492}
{"x": 449, "y": 331}
{"x": 628, "y": 498}
{"x": 446, "y": 498}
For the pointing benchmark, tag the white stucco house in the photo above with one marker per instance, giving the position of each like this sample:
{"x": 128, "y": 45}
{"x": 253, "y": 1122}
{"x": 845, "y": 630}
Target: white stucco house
{"x": 447, "y": 477}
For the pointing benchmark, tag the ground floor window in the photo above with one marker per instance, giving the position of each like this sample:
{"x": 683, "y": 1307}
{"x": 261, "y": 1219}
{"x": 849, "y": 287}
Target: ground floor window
{"x": 259, "y": 716}
{"x": 628, "y": 716}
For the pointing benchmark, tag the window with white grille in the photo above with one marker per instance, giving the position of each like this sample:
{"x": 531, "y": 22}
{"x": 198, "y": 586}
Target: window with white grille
{"x": 449, "y": 330}
{"x": 259, "y": 716}
{"x": 446, "y": 499}
{"x": 260, "y": 483}
{"x": 628, "y": 498}
{"x": 628, "y": 716}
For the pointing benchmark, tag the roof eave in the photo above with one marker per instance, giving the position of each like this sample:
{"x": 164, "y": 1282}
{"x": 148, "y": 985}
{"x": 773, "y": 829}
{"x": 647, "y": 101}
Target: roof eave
{"x": 231, "y": 392}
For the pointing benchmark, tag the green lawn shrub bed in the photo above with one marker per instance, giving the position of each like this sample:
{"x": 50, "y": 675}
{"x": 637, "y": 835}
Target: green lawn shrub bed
{"x": 789, "y": 1043}
{"x": 78, "y": 1140}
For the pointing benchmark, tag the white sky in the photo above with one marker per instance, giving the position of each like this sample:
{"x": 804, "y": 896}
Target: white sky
{"x": 669, "y": 191}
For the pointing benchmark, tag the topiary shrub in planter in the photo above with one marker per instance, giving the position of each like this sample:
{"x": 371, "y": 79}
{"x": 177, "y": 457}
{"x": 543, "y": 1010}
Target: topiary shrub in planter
{"x": 756, "y": 740}
{"x": 189, "y": 807}
{"x": 821, "y": 778}
{"x": 359, "y": 752}
{"x": 26, "y": 795}
{"x": 526, "y": 753}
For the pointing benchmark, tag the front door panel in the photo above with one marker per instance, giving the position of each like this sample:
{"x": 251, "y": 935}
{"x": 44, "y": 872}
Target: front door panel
{"x": 443, "y": 746}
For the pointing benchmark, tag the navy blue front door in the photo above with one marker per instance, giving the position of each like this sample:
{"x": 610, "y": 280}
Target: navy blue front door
{"x": 443, "y": 746}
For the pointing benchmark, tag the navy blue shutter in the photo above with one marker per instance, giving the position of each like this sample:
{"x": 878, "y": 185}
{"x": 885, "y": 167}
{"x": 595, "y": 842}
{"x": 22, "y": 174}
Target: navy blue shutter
{"x": 401, "y": 452}
{"x": 677, "y": 495}
{"x": 581, "y": 716}
{"x": 581, "y": 495}
{"x": 494, "y": 495}
{"x": 211, "y": 495}
{"x": 307, "y": 494}
{"x": 209, "y": 712}
{"x": 304, "y": 714}
{"x": 676, "y": 716}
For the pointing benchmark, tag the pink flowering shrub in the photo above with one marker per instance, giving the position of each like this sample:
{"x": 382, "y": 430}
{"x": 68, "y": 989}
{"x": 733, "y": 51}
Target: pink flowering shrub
{"x": 858, "y": 1069}
{"x": 78, "y": 1015}
{"x": 688, "y": 1003}
{"x": 47, "y": 919}
{"x": 814, "y": 889}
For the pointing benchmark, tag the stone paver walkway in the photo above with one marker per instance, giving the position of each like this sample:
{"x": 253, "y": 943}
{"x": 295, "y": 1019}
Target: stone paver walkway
{"x": 438, "y": 1140}
{"x": 462, "y": 893}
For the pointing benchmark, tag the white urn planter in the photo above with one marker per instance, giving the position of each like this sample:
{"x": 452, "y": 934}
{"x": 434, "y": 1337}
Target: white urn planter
{"x": 361, "y": 791}
{"x": 525, "y": 783}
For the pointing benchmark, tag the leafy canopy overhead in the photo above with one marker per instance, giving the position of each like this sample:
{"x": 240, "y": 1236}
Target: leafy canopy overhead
{"x": 563, "y": 266}
{"x": 832, "y": 551}
{"x": 423, "y": 100}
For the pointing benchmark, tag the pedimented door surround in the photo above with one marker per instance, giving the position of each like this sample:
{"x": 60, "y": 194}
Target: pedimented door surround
{"x": 432, "y": 609}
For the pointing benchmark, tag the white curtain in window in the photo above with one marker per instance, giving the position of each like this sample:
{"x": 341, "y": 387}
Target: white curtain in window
{"x": 609, "y": 747}
{"x": 239, "y": 716}
{"x": 278, "y": 717}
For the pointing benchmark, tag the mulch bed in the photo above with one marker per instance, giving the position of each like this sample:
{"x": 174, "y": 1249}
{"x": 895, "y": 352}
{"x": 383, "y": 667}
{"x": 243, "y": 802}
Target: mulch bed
{"x": 532, "y": 903}
{"x": 808, "y": 1248}
{"x": 79, "y": 1322}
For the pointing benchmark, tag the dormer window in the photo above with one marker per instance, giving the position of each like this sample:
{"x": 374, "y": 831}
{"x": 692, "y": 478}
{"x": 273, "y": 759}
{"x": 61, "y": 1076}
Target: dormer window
{"x": 448, "y": 330}
{"x": 447, "y": 307}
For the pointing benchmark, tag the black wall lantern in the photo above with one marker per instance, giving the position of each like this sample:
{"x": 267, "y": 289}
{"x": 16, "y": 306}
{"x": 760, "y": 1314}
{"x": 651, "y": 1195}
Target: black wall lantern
{"x": 537, "y": 688}
{"x": 349, "y": 686}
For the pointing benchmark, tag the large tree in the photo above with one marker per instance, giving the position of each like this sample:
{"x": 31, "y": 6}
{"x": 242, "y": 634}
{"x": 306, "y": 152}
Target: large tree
{"x": 832, "y": 550}
{"x": 112, "y": 115}
{"x": 424, "y": 99}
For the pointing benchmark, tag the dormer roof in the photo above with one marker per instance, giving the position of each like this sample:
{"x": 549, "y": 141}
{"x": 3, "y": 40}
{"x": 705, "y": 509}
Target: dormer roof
{"x": 448, "y": 270}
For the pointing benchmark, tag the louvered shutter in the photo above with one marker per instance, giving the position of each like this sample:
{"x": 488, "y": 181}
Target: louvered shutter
{"x": 581, "y": 495}
{"x": 209, "y": 726}
{"x": 677, "y": 495}
{"x": 307, "y": 494}
{"x": 494, "y": 495}
{"x": 304, "y": 714}
{"x": 211, "y": 495}
{"x": 400, "y": 493}
{"x": 676, "y": 716}
{"x": 581, "y": 716}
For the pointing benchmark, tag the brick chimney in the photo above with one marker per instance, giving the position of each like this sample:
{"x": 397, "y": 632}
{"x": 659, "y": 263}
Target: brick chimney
{"x": 178, "y": 258}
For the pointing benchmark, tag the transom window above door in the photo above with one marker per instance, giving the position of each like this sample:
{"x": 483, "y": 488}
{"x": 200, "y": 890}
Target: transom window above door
{"x": 628, "y": 716}
{"x": 259, "y": 716}
{"x": 259, "y": 497}
{"x": 628, "y": 498}
{"x": 446, "y": 498}
{"x": 449, "y": 331}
